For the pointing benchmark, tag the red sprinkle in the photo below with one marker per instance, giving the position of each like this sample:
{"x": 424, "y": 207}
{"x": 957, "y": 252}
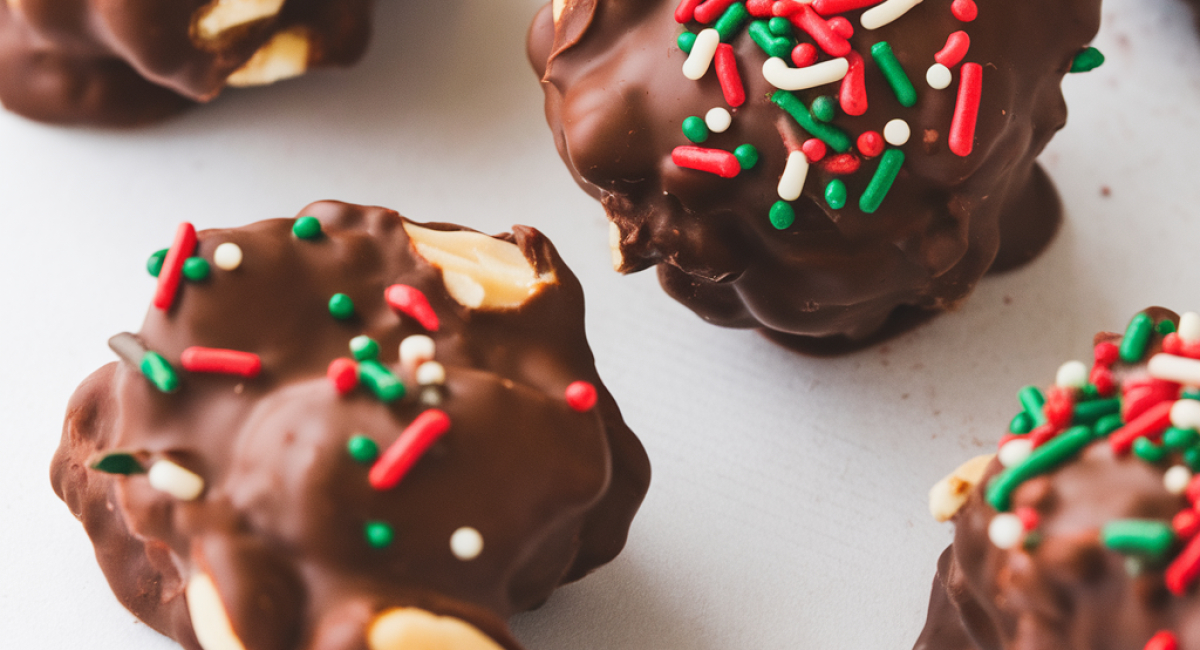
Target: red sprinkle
{"x": 1164, "y": 640}
{"x": 964, "y": 10}
{"x": 759, "y": 8}
{"x": 343, "y": 374}
{"x": 966, "y": 111}
{"x": 853, "y": 95}
{"x": 714, "y": 161}
{"x": 1042, "y": 434}
{"x": 804, "y": 18}
{"x": 1151, "y": 424}
{"x": 394, "y": 463}
{"x": 711, "y": 10}
{"x": 728, "y": 76}
{"x": 956, "y": 48}
{"x": 1007, "y": 438}
{"x": 870, "y": 144}
{"x": 1184, "y": 569}
{"x": 226, "y": 362}
{"x": 841, "y": 27}
{"x": 686, "y": 10}
{"x": 411, "y": 302}
{"x": 1138, "y": 395}
{"x": 1192, "y": 492}
{"x": 1172, "y": 344}
{"x": 831, "y": 7}
{"x": 804, "y": 55}
{"x": 1102, "y": 379}
{"x": 841, "y": 164}
{"x": 172, "y": 268}
{"x": 814, "y": 150}
{"x": 1186, "y": 524}
{"x": 1106, "y": 353}
{"x": 1028, "y": 516}
{"x": 581, "y": 396}
{"x": 1059, "y": 407}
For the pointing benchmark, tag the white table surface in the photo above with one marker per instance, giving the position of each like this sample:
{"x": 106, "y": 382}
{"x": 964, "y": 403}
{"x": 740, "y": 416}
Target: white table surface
{"x": 788, "y": 507}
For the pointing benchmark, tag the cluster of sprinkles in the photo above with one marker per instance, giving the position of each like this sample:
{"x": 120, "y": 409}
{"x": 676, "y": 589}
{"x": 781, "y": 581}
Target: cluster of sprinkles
{"x": 777, "y": 27}
{"x": 1153, "y": 414}
{"x": 387, "y": 468}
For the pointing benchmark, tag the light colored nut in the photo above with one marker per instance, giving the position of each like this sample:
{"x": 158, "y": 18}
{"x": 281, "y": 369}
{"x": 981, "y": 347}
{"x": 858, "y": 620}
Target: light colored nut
{"x": 408, "y": 628}
{"x": 614, "y": 245}
{"x": 480, "y": 272}
{"x": 951, "y": 493}
{"x": 209, "y": 620}
{"x": 216, "y": 18}
{"x": 181, "y": 483}
{"x": 559, "y": 5}
{"x": 283, "y": 57}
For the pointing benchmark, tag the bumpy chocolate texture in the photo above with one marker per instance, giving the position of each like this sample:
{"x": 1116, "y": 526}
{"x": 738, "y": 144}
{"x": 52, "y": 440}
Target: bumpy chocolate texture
{"x": 746, "y": 251}
{"x": 1090, "y": 540}
{"x": 127, "y": 63}
{"x": 256, "y": 526}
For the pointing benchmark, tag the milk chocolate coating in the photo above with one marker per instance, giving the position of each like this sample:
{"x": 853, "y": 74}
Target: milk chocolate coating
{"x": 616, "y": 100}
{"x": 96, "y": 62}
{"x": 279, "y": 527}
{"x": 1068, "y": 590}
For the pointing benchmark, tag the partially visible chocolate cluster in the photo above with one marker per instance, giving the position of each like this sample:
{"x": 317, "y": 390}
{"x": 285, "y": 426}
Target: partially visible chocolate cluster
{"x": 350, "y": 431}
{"x": 127, "y": 63}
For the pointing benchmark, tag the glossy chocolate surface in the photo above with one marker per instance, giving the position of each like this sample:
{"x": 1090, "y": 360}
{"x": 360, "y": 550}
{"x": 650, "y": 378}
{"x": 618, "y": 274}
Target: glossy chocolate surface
{"x": 280, "y": 524}
{"x": 616, "y": 99}
{"x": 128, "y": 63}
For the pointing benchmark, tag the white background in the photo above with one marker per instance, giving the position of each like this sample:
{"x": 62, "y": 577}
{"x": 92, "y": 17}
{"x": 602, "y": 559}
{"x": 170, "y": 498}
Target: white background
{"x": 788, "y": 505}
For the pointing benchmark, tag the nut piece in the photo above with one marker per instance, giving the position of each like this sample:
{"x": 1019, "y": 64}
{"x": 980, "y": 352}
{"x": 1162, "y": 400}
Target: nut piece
{"x": 480, "y": 272}
{"x": 283, "y": 57}
{"x": 559, "y": 5}
{"x": 209, "y": 620}
{"x": 407, "y": 628}
{"x": 950, "y": 493}
{"x": 216, "y": 18}
{"x": 614, "y": 245}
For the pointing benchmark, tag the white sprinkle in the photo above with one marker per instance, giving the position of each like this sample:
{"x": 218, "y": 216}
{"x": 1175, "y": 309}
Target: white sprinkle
{"x": 466, "y": 543}
{"x": 1072, "y": 374}
{"x": 1134, "y": 566}
{"x": 897, "y": 132}
{"x": 885, "y": 13}
{"x": 1015, "y": 451}
{"x": 176, "y": 481}
{"x": 779, "y": 74}
{"x": 791, "y": 184}
{"x": 939, "y": 77}
{"x": 1185, "y": 414}
{"x": 416, "y": 350}
{"x": 1189, "y": 327}
{"x": 228, "y": 256}
{"x": 431, "y": 373}
{"x": 718, "y": 120}
{"x": 701, "y": 56}
{"x": 431, "y": 396}
{"x": 1180, "y": 370}
{"x": 1176, "y": 479}
{"x": 1006, "y": 530}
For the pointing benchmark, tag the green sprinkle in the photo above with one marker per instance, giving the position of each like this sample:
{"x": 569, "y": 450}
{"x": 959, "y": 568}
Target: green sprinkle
{"x": 747, "y": 156}
{"x": 1021, "y": 424}
{"x": 380, "y": 381}
{"x": 1032, "y": 401}
{"x": 685, "y": 41}
{"x": 780, "y": 26}
{"x": 1137, "y": 337}
{"x": 827, "y": 133}
{"x": 782, "y": 215}
{"x": 379, "y": 534}
{"x": 341, "y": 306}
{"x": 773, "y": 45}
{"x": 154, "y": 264}
{"x": 1190, "y": 393}
{"x": 362, "y": 449}
{"x": 1089, "y": 412}
{"x": 307, "y": 228}
{"x": 885, "y": 58}
{"x": 1107, "y": 424}
{"x": 1180, "y": 439}
{"x": 730, "y": 22}
{"x": 835, "y": 194}
{"x": 1087, "y": 60}
{"x": 885, "y": 174}
{"x": 1192, "y": 458}
{"x": 159, "y": 372}
{"x": 1032, "y": 540}
{"x": 196, "y": 269}
{"x": 1043, "y": 459}
{"x": 824, "y": 108}
{"x": 1148, "y": 451}
{"x": 363, "y": 347}
{"x": 695, "y": 129}
{"x": 1142, "y": 537}
{"x": 1165, "y": 326}
{"x": 1089, "y": 392}
{"x": 118, "y": 463}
